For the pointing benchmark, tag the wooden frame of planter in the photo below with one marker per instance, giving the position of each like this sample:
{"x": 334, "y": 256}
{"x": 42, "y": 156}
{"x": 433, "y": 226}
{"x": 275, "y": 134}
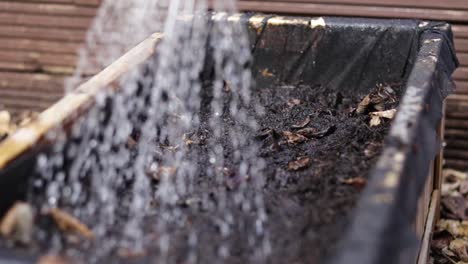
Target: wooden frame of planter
{"x": 388, "y": 205}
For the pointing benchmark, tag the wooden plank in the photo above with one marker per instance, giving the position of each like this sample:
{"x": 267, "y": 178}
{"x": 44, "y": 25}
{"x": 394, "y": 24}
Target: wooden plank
{"x": 39, "y": 58}
{"x": 17, "y": 66}
{"x": 423, "y": 202}
{"x": 457, "y": 123}
{"x": 430, "y": 223}
{"x": 463, "y": 58}
{"x": 456, "y": 154}
{"x": 439, "y": 160}
{"x": 461, "y": 44}
{"x": 47, "y": 46}
{"x": 451, "y": 133}
{"x": 460, "y": 31}
{"x": 354, "y": 10}
{"x": 458, "y": 164}
{"x": 34, "y": 96}
{"x": 461, "y": 87}
{"x": 41, "y": 33}
{"x": 44, "y": 20}
{"x": 448, "y": 4}
{"x": 457, "y": 144}
{"x": 46, "y": 9}
{"x": 30, "y": 81}
{"x": 26, "y": 102}
{"x": 94, "y": 3}
{"x": 461, "y": 74}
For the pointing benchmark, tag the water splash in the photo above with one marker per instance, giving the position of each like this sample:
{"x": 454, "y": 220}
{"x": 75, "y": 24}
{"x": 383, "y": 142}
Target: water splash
{"x": 166, "y": 160}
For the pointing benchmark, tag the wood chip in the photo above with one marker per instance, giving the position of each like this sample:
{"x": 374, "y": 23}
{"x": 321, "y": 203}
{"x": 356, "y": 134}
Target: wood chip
{"x": 131, "y": 254}
{"x": 52, "y": 259}
{"x": 68, "y": 223}
{"x": 458, "y": 174}
{"x": 376, "y": 99}
{"x": 18, "y": 223}
{"x": 363, "y": 105}
{"x": 302, "y": 124}
{"x": 314, "y": 133}
{"x": 294, "y": 102}
{"x": 376, "y": 117}
{"x": 299, "y": 164}
{"x": 267, "y": 73}
{"x": 454, "y": 227}
{"x": 293, "y": 138}
{"x": 460, "y": 248}
{"x": 359, "y": 182}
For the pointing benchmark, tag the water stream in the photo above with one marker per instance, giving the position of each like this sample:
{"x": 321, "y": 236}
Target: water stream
{"x": 163, "y": 167}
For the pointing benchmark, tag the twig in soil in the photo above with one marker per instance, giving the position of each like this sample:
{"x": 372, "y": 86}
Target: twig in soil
{"x": 376, "y": 117}
{"x": 313, "y": 133}
{"x": 293, "y": 138}
{"x": 359, "y": 182}
{"x": 302, "y": 124}
{"x": 17, "y": 224}
{"x": 68, "y": 223}
{"x": 299, "y": 164}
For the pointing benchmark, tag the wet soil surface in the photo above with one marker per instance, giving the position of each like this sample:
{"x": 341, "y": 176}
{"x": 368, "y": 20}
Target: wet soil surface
{"x": 318, "y": 153}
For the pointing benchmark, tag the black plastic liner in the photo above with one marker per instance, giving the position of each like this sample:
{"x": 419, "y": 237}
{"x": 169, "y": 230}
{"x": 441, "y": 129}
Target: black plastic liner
{"x": 350, "y": 56}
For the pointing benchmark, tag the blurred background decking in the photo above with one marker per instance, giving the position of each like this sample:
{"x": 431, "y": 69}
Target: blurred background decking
{"x": 39, "y": 40}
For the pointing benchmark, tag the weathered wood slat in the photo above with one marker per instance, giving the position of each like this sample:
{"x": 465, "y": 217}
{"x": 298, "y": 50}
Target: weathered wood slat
{"x": 458, "y": 164}
{"x": 457, "y": 144}
{"x": 44, "y": 20}
{"x": 456, "y": 133}
{"x": 39, "y": 58}
{"x": 42, "y": 33}
{"x": 93, "y": 3}
{"x": 456, "y": 154}
{"x": 31, "y": 81}
{"x": 448, "y": 4}
{"x": 46, "y": 46}
{"x": 461, "y": 74}
{"x": 49, "y": 97}
{"x": 46, "y": 9}
{"x": 355, "y": 10}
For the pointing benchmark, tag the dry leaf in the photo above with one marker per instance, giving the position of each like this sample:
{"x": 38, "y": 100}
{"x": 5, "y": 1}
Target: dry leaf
{"x": 302, "y": 124}
{"x": 293, "y": 138}
{"x": 265, "y": 133}
{"x": 441, "y": 239}
{"x": 17, "y": 224}
{"x": 5, "y": 120}
{"x": 455, "y": 207}
{"x": 128, "y": 253}
{"x": 375, "y": 121}
{"x": 68, "y": 223}
{"x": 299, "y": 164}
{"x": 447, "y": 173}
{"x": 52, "y": 259}
{"x": 359, "y": 182}
{"x": 454, "y": 227}
{"x": 363, "y": 105}
{"x": 376, "y": 99}
{"x": 294, "y": 102}
{"x": 376, "y": 117}
{"x": 267, "y": 73}
{"x": 313, "y": 133}
{"x": 460, "y": 248}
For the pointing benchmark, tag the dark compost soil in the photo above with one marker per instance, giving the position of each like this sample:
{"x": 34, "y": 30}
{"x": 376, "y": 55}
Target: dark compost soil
{"x": 318, "y": 153}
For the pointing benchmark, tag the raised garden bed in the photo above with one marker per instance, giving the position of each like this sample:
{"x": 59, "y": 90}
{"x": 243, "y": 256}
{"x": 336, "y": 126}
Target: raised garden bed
{"x": 331, "y": 178}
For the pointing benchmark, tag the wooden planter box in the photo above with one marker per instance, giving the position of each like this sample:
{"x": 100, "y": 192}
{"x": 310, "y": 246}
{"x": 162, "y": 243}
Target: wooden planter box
{"x": 385, "y": 219}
